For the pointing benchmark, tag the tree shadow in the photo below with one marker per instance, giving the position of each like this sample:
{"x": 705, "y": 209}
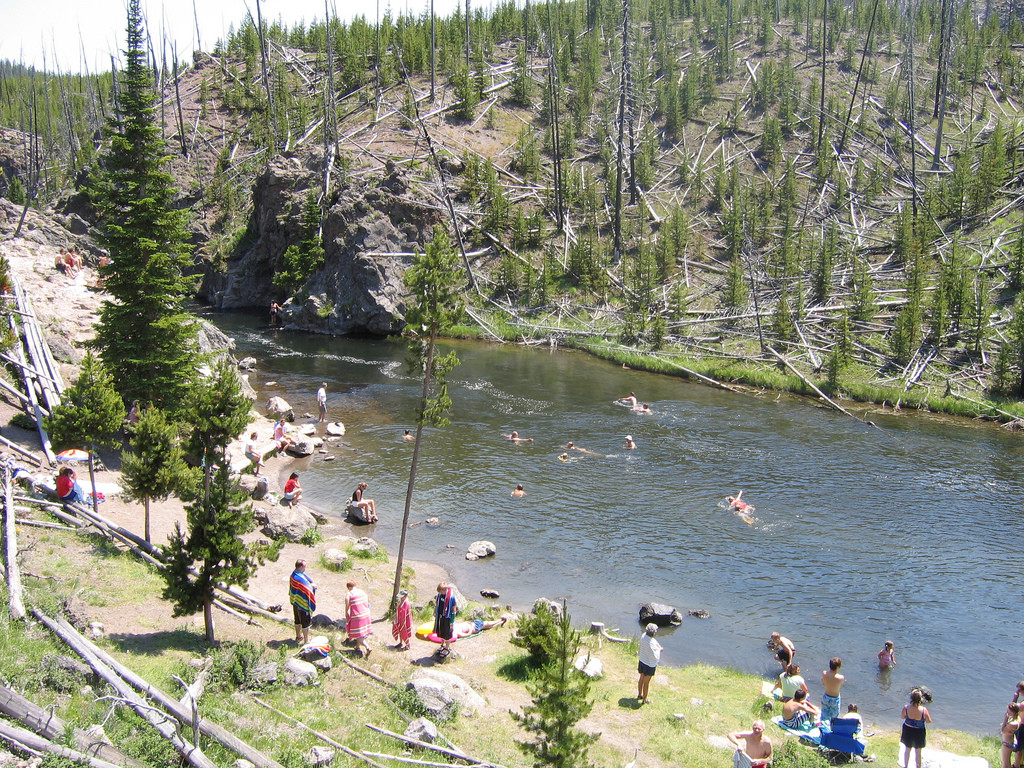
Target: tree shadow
{"x": 156, "y": 643}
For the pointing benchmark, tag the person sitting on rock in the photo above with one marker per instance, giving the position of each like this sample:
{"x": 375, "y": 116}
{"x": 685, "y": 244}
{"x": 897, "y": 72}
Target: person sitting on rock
{"x": 281, "y": 434}
{"x": 253, "y": 454}
{"x": 368, "y": 506}
{"x": 292, "y": 489}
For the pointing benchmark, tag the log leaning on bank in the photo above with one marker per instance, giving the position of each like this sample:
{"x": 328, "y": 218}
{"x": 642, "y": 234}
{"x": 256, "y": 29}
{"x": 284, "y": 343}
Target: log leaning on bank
{"x": 165, "y": 700}
{"x": 33, "y": 743}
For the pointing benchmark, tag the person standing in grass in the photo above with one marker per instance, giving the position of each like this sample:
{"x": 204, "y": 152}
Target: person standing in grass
{"x": 650, "y": 655}
{"x": 913, "y": 736}
{"x": 357, "y": 618}
{"x": 302, "y": 595}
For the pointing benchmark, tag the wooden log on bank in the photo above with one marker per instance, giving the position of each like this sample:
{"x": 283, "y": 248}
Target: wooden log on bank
{"x": 21, "y": 451}
{"x": 35, "y": 744}
{"x": 14, "y": 590}
{"x": 458, "y": 755}
{"x": 49, "y": 726}
{"x": 191, "y": 753}
{"x": 165, "y": 700}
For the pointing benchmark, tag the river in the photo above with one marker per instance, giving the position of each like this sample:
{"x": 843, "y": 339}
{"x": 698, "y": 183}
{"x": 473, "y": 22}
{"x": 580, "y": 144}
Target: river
{"x": 909, "y": 533}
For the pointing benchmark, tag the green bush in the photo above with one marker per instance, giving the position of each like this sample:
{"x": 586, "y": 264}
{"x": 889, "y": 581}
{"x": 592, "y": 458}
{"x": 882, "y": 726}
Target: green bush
{"x": 233, "y": 664}
{"x": 336, "y": 567}
{"x": 793, "y": 754}
{"x": 23, "y": 421}
{"x": 312, "y": 536}
{"x": 536, "y": 634}
{"x": 380, "y": 555}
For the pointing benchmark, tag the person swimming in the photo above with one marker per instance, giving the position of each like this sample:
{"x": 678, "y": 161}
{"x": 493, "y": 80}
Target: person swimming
{"x": 645, "y": 408}
{"x": 629, "y": 400}
{"x": 515, "y": 438}
{"x": 737, "y": 504}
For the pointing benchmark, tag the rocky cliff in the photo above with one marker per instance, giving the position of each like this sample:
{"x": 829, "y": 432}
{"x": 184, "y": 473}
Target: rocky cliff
{"x": 370, "y": 231}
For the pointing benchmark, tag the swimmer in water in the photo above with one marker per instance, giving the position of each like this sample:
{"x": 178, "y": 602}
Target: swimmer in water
{"x": 408, "y": 436}
{"x": 515, "y": 438}
{"x": 629, "y": 400}
{"x": 645, "y": 408}
{"x": 564, "y": 457}
{"x": 737, "y": 504}
{"x": 629, "y": 444}
{"x": 518, "y": 492}
{"x": 573, "y": 447}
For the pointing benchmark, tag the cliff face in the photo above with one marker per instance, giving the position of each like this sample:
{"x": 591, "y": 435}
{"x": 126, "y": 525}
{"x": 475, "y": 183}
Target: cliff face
{"x": 369, "y": 233}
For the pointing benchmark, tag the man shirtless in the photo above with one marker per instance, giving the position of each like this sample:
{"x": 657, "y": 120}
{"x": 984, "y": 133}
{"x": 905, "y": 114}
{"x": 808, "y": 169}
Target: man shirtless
{"x": 831, "y": 681}
{"x": 783, "y": 647}
{"x": 515, "y": 438}
{"x": 755, "y": 746}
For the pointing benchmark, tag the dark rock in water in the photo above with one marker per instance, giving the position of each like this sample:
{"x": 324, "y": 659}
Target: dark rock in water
{"x": 489, "y": 593}
{"x": 700, "y": 613}
{"x": 660, "y": 614}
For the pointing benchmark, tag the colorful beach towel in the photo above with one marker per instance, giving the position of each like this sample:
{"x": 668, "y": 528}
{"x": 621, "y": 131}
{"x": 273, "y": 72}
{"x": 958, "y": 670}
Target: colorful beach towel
{"x": 460, "y": 630}
{"x": 301, "y": 592}
{"x": 357, "y": 614}
{"x": 401, "y": 627}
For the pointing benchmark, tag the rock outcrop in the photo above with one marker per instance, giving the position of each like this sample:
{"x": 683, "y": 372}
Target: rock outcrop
{"x": 370, "y": 232}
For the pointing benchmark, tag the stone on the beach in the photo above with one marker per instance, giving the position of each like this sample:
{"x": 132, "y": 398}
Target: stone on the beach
{"x": 289, "y": 523}
{"x": 489, "y": 593}
{"x": 324, "y": 621}
{"x": 265, "y": 673}
{"x": 318, "y": 756}
{"x": 248, "y": 391}
{"x": 96, "y": 629}
{"x": 590, "y": 666}
{"x": 304, "y": 446}
{"x": 453, "y": 689}
{"x": 334, "y": 558}
{"x": 660, "y": 614}
{"x": 320, "y": 517}
{"x": 277, "y": 407}
{"x": 247, "y": 363}
{"x": 421, "y": 729}
{"x": 433, "y": 697}
{"x": 328, "y": 458}
{"x": 257, "y": 487}
{"x": 481, "y": 549}
{"x": 298, "y": 672}
{"x": 324, "y": 663}
{"x": 555, "y": 609}
{"x": 335, "y": 428}
{"x": 242, "y": 763}
{"x": 306, "y": 429}
{"x": 367, "y": 545}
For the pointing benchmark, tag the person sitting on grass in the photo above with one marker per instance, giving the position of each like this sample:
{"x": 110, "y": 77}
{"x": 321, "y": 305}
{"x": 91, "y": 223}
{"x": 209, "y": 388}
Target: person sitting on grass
{"x": 798, "y": 713}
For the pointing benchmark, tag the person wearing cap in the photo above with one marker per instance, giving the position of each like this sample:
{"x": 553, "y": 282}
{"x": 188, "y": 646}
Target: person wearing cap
{"x": 629, "y": 445}
{"x": 650, "y": 655}
{"x": 753, "y": 748}
{"x": 401, "y": 627}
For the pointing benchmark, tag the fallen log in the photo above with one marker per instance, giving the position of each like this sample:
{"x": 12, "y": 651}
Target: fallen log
{"x": 14, "y": 590}
{"x": 34, "y": 744}
{"x": 326, "y": 739}
{"x": 458, "y": 755}
{"x": 191, "y": 753}
{"x": 48, "y": 725}
{"x": 409, "y": 760}
{"x": 207, "y": 728}
{"x": 21, "y": 451}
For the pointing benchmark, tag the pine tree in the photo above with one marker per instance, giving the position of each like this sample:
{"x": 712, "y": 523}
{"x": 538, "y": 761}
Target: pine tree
{"x": 561, "y": 698}
{"x": 145, "y": 335}
{"x": 213, "y": 548}
{"x": 90, "y": 415}
{"x": 435, "y": 282}
{"x": 299, "y": 262}
{"x": 154, "y": 465}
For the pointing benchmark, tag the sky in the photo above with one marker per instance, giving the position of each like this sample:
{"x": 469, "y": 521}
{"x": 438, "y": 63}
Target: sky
{"x": 73, "y": 31}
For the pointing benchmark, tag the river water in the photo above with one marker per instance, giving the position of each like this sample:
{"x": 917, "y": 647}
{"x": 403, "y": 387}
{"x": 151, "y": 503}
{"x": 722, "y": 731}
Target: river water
{"x": 909, "y": 533}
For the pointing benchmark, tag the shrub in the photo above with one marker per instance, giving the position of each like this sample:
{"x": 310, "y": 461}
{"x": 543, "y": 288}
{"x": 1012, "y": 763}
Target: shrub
{"x": 792, "y": 754}
{"x": 536, "y": 633}
{"x": 312, "y": 536}
{"x": 23, "y": 421}
{"x": 233, "y": 664}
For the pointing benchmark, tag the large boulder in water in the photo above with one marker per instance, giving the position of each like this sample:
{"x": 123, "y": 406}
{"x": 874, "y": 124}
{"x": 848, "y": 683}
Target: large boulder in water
{"x": 278, "y": 408}
{"x": 660, "y": 614}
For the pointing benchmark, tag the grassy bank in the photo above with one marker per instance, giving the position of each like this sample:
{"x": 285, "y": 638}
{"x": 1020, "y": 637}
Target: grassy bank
{"x": 855, "y": 384}
{"x": 690, "y": 708}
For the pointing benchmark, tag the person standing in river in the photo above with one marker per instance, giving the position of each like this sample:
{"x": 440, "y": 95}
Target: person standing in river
{"x": 832, "y": 682}
{"x": 321, "y": 402}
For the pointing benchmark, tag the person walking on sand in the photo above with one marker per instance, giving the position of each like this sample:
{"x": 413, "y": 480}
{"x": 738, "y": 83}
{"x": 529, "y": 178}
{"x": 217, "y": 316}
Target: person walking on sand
{"x": 401, "y": 627}
{"x": 321, "y": 402}
{"x": 357, "y": 618}
{"x": 302, "y": 595}
{"x": 445, "y": 608}
{"x": 913, "y": 735}
{"x": 650, "y": 655}
{"x": 755, "y": 751}
{"x": 832, "y": 682}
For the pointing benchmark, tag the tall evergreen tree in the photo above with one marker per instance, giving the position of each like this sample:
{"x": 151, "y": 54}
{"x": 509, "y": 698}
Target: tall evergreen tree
{"x": 145, "y": 336}
{"x": 435, "y": 281}
{"x": 154, "y": 466}
{"x": 91, "y": 414}
{"x": 561, "y": 698}
{"x": 213, "y": 550}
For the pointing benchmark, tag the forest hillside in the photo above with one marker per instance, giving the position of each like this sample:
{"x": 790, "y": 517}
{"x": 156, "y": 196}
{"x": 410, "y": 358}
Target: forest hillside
{"x": 816, "y": 196}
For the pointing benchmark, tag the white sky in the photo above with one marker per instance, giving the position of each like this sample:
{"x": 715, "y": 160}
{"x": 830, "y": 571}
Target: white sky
{"x": 96, "y": 27}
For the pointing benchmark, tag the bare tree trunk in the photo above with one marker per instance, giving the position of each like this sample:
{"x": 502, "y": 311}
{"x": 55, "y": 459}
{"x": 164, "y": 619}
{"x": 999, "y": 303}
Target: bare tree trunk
{"x": 14, "y": 592}
{"x": 623, "y": 100}
{"x": 912, "y": 95}
{"x": 433, "y": 47}
{"x": 177, "y": 98}
{"x": 942, "y": 57}
{"x": 821, "y": 105}
{"x": 860, "y": 73}
{"x": 195, "y": 17}
{"x": 266, "y": 75}
{"x": 208, "y": 619}
{"x": 942, "y": 78}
